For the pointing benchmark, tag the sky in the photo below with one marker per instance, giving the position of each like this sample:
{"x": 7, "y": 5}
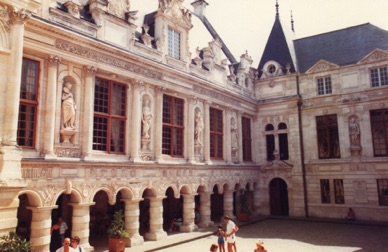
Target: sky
{"x": 244, "y": 25}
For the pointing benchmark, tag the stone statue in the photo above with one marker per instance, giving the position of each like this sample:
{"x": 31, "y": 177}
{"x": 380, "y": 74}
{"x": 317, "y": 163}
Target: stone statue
{"x": 68, "y": 107}
{"x": 234, "y": 133}
{"x": 354, "y": 132}
{"x": 146, "y": 119}
{"x": 198, "y": 127}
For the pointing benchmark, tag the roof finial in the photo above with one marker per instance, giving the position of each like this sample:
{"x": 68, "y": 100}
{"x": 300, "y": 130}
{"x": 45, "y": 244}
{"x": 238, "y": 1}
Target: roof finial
{"x": 292, "y": 23}
{"x": 277, "y": 9}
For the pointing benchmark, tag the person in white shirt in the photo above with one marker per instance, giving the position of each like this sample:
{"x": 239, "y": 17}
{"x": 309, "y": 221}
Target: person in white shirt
{"x": 75, "y": 240}
{"x": 66, "y": 246}
{"x": 230, "y": 237}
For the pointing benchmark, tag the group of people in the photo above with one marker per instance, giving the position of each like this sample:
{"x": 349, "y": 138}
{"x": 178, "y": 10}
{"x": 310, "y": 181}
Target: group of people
{"x": 228, "y": 236}
{"x": 58, "y": 241}
{"x": 71, "y": 245}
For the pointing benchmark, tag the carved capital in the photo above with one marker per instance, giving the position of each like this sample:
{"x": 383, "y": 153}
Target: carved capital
{"x": 53, "y": 60}
{"x": 91, "y": 70}
{"x": 20, "y": 16}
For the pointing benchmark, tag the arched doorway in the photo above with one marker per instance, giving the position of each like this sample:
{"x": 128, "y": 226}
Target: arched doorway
{"x": 217, "y": 205}
{"x": 278, "y": 197}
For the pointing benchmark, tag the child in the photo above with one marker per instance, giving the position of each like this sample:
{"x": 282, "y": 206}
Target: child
{"x": 221, "y": 241}
{"x": 260, "y": 247}
{"x": 213, "y": 248}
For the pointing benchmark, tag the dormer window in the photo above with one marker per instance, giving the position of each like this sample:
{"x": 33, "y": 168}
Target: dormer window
{"x": 174, "y": 42}
{"x": 324, "y": 85}
{"x": 379, "y": 76}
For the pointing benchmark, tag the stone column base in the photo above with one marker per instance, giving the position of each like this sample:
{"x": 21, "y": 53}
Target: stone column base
{"x": 155, "y": 236}
{"x": 204, "y": 224}
{"x": 135, "y": 241}
{"x": 188, "y": 228}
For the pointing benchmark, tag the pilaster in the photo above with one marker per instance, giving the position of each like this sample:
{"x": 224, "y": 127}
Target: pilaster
{"x": 206, "y": 113}
{"x": 12, "y": 93}
{"x": 135, "y": 124}
{"x": 256, "y": 201}
{"x": 50, "y": 105}
{"x": 158, "y": 125}
{"x": 87, "y": 125}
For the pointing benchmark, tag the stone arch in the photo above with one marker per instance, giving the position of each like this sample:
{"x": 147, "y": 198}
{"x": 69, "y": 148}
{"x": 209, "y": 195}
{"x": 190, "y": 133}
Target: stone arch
{"x": 149, "y": 191}
{"x": 185, "y": 189}
{"x": 126, "y": 192}
{"x": 34, "y": 199}
{"x": 108, "y": 193}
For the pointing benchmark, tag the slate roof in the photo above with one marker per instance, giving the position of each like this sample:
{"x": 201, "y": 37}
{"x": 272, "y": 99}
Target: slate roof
{"x": 276, "y": 48}
{"x": 341, "y": 47}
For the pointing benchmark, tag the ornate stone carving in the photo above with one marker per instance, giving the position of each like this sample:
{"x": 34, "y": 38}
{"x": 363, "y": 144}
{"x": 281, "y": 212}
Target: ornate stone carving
{"x": 20, "y": 16}
{"x": 354, "y": 136}
{"x": 99, "y": 57}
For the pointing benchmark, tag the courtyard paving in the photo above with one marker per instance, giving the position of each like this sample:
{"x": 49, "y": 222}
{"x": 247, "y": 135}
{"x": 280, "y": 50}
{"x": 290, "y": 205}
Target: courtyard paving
{"x": 284, "y": 234}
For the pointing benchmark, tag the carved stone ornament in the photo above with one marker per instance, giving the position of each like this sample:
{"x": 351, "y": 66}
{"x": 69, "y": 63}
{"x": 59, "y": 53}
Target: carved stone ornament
{"x": 96, "y": 56}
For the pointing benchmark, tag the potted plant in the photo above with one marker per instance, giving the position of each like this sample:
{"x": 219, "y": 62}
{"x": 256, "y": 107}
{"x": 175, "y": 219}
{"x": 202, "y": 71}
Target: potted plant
{"x": 244, "y": 207}
{"x": 117, "y": 233}
{"x": 13, "y": 243}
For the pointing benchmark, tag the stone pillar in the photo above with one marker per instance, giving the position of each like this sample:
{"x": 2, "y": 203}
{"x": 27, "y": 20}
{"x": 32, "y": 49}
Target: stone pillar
{"x": 12, "y": 93}
{"x": 188, "y": 213}
{"x": 158, "y": 125}
{"x": 190, "y": 130}
{"x": 50, "y": 107}
{"x": 255, "y": 139}
{"x": 256, "y": 201}
{"x": 88, "y": 113}
{"x": 205, "y": 209}
{"x": 132, "y": 224}
{"x": 240, "y": 140}
{"x": 8, "y": 212}
{"x": 206, "y": 132}
{"x": 40, "y": 228}
{"x": 156, "y": 231}
{"x": 228, "y": 136}
{"x": 135, "y": 124}
{"x": 228, "y": 203}
{"x": 81, "y": 223}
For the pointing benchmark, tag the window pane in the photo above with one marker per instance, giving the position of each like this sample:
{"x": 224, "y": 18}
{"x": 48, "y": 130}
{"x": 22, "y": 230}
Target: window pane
{"x": 270, "y": 140}
{"x": 100, "y": 133}
{"x": 339, "y": 191}
{"x": 117, "y": 135}
{"x": 379, "y": 126}
{"x": 119, "y": 93}
{"x": 173, "y": 126}
{"x": 283, "y": 146}
{"x": 216, "y": 133}
{"x": 26, "y": 125}
{"x": 382, "y": 187}
{"x": 325, "y": 191}
{"x": 246, "y": 135}
{"x": 328, "y": 138}
{"x": 101, "y": 96}
{"x": 29, "y": 80}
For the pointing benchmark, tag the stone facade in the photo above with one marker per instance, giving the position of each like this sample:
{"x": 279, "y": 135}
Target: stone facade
{"x": 85, "y": 50}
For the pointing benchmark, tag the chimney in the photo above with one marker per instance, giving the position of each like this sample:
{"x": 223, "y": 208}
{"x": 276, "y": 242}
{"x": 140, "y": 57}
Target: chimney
{"x": 199, "y": 8}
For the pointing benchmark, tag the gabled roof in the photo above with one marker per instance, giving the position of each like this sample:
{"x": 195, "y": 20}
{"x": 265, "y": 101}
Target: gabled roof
{"x": 277, "y": 48}
{"x": 341, "y": 47}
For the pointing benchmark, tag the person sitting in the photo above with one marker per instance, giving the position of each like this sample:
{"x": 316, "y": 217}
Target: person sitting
{"x": 197, "y": 216}
{"x": 175, "y": 224}
{"x": 350, "y": 215}
{"x": 260, "y": 247}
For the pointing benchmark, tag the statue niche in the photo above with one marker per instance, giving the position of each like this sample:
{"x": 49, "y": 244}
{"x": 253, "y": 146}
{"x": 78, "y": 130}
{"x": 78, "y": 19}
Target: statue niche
{"x": 68, "y": 110}
{"x": 198, "y": 129}
{"x": 146, "y": 121}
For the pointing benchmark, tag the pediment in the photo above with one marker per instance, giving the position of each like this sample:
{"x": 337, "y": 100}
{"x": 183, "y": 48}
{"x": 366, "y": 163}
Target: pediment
{"x": 321, "y": 66}
{"x": 174, "y": 10}
{"x": 375, "y": 55}
{"x": 277, "y": 164}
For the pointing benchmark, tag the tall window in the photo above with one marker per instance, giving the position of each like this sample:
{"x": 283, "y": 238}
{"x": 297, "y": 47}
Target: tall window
{"x": 379, "y": 125}
{"x": 325, "y": 191}
{"x": 339, "y": 191}
{"x": 324, "y": 85}
{"x": 328, "y": 140}
{"x": 281, "y": 137}
{"x": 379, "y": 76}
{"x": 109, "y": 116}
{"x": 246, "y": 137}
{"x": 283, "y": 141}
{"x": 382, "y": 187}
{"x": 216, "y": 133}
{"x": 174, "y": 43}
{"x": 173, "y": 127}
{"x": 28, "y": 103}
{"x": 270, "y": 142}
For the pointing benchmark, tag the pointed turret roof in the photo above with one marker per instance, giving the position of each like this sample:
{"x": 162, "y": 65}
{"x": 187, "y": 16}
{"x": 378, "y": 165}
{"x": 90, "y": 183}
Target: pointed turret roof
{"x": 277, "y": 48}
